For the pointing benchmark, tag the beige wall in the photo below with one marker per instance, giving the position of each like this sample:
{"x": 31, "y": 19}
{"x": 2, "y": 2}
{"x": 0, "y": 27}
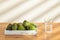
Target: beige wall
{"x": 32, "y": 10}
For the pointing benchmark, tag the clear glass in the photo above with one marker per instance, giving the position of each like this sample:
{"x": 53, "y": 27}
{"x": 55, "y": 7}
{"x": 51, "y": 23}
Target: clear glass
{"x": 48, "y": 29}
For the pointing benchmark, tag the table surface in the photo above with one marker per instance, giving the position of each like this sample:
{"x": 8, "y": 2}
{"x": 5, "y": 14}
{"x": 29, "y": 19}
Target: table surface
{"x": 41, "y": 35}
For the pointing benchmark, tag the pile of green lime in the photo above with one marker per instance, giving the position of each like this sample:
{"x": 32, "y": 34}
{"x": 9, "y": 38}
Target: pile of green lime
{"x": 22, "y": 26}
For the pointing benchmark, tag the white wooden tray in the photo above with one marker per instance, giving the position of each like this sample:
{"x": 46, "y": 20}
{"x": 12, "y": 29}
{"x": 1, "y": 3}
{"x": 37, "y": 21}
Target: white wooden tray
{"x": 20, "y": 32}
